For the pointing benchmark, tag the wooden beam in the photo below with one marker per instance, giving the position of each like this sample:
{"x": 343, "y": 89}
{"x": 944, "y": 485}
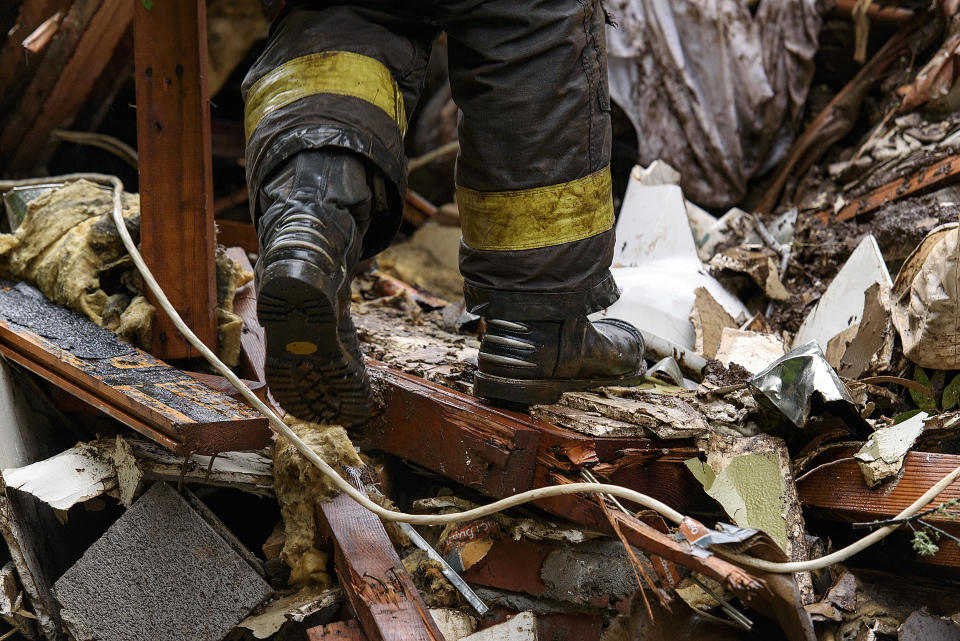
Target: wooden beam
{"x": 840, "y": 491}
{"x": 500, "y": 453}
{"x": 176, "y": 189}
{"x": 383, "y": 595}
{"x": 339, "y": 631}
{"x": 27, "y": 134}
{"x": 937, "y": 174}
{"x": 124, "y": 382}
{"x": 253, "y": 346}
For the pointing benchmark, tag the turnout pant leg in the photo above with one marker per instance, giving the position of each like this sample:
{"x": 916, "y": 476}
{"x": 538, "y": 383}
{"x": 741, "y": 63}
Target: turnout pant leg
{"x": 533, "y": 176}
{"x": 342, "y": 76}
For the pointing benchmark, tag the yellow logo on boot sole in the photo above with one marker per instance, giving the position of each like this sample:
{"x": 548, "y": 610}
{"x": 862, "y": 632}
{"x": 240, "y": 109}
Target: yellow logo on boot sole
{"x": 301, "y": 347}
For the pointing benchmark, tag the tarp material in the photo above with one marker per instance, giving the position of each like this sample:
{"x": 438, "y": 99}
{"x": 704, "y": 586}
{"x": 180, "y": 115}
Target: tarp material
{"x": 713, "y": 86}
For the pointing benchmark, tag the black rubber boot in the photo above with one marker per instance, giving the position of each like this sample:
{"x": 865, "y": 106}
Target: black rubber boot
{"x": 534, "y": 362}
{"x": 310, "y": 243}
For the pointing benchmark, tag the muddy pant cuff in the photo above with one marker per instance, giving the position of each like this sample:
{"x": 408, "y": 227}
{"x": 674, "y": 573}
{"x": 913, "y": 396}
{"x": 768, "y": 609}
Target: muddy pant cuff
{"x": 529, "y": 305}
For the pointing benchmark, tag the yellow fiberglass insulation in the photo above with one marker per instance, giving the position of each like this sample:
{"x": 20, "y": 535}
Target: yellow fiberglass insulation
{"x": 299, "y": 485}
{"x": 68, "y": 247}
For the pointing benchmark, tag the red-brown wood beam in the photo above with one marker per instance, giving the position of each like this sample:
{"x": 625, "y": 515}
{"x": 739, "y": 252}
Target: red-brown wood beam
{"x": 176, "y": 188}
{"x": 386, "y": 601}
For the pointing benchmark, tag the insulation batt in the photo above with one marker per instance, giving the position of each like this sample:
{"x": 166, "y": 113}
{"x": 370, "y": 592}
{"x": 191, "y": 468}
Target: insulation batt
{"x": 299, "y": 485}
{"x": 68, "y": 247}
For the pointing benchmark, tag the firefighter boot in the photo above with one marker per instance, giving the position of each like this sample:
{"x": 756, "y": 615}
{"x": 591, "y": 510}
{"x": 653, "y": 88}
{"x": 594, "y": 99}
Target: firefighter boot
{"x": 534, "y": 362}
{"x": 311, "y": 237}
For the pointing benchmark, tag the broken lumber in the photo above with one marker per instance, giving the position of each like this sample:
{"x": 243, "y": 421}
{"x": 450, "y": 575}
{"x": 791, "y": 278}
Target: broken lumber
{"x": 61, "y": 83}
{"x": 839, "y": 488}
{"x": 831, "y": 124}
{"x": 835, "y": 489}
{"x": 500, "y": 453}
{"x": 128, "y": 384}
{"x": 386, "y": 601}
{"x": 253, "y": 345}
{"x": 339, "y": 631}
{"x": 176, "y": 182}
{"x": 925, "y": 178}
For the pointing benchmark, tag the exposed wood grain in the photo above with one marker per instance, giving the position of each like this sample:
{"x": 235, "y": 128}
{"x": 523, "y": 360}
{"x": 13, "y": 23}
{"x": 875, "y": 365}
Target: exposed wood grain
{"x": 176, "y": 189}
{"x": 79, "y": 70}
{"x": 235, "y": 234}
{"x": 339, "y": 631}
{"x": 383, "y": 595}
{"x": 253, "y": 344}
{"x": 926, "y": 178}
{"x": 130, "y": 385}
{"x": 17, "y": 63}
{"x": 841, "y": 491}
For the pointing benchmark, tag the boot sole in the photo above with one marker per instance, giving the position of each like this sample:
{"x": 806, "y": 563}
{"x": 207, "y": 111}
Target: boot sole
{"x": 309, "y": 371}
{"x": 543, "y": 391}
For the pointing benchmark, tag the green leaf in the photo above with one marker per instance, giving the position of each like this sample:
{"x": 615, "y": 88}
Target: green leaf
{"x": 923, "y": 401}
{"x": 900, "y": 418}
{"x": 147, "y": 4}
{"x": 951, "y": 394}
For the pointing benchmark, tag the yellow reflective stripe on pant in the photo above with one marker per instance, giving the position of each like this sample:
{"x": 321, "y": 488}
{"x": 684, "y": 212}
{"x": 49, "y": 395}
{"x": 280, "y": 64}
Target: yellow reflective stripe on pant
{"x": 330, "y": 72}
{"x": 537, "y": 217}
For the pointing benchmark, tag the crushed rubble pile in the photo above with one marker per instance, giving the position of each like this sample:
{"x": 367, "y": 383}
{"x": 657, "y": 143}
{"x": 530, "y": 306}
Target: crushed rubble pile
{"x": 792, "y": 260}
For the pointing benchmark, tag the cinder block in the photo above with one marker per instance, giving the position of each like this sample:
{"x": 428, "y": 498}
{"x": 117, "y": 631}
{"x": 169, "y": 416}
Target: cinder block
{"x": 159, "y": 572}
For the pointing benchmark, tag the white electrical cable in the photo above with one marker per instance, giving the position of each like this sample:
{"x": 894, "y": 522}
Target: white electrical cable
{"x": 475, "y": 513}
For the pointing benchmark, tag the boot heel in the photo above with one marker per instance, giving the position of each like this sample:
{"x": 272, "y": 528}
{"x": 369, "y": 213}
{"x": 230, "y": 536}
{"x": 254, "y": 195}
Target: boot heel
{"x": 309, "y": 369}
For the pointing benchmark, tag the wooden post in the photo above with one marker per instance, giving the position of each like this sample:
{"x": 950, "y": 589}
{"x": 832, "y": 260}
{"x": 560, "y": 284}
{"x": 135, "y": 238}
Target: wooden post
{"x": 176, "y": 188}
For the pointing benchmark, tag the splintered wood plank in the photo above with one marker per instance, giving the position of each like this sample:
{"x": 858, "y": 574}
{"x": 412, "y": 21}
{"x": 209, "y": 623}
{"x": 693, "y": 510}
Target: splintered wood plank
{"x": 148, "y": 395}
{"x": 840, "y": 491}
{"x": 27, "y": 136}
{"x": 176, "y": 188}
{"x": 339, "y": 631}
{"x": 253, "y": 346}
{"x": 925, "y": 178}
{"x": 383, "y": 595}
{"x": 479, "y": 446}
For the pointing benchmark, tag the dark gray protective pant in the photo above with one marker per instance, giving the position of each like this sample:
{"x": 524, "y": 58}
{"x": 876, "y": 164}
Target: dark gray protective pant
{"x": 533, "y": 177}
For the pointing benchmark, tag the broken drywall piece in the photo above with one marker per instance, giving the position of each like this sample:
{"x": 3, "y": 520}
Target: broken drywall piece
{"x": 751, "y": 350}
{"x": 267, "y": 622}
{"x": 750, "y": 489}
{"x": 62, "y": 481}
{"x": 762, "y": 266}
{"x": 663, "y": 415}
{"x": 160, "y": 562}
{"x": 658, "y": 172}
{"x": 709, "y": 319}
{"x": 871, "y": 349}
{"x": 752, "y": 479}
{"x": 882, "y": 455}
{"x": 842, "y": 304}
{"x": 926, "y": 298}
{"x": 656, "y": 265}
{"x": 522, "y": 627}
{"x": 454, "y": 624}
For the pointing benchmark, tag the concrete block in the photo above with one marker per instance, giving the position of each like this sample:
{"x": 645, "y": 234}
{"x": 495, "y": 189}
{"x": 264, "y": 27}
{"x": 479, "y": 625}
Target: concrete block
{"x": 159, "y": 572}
